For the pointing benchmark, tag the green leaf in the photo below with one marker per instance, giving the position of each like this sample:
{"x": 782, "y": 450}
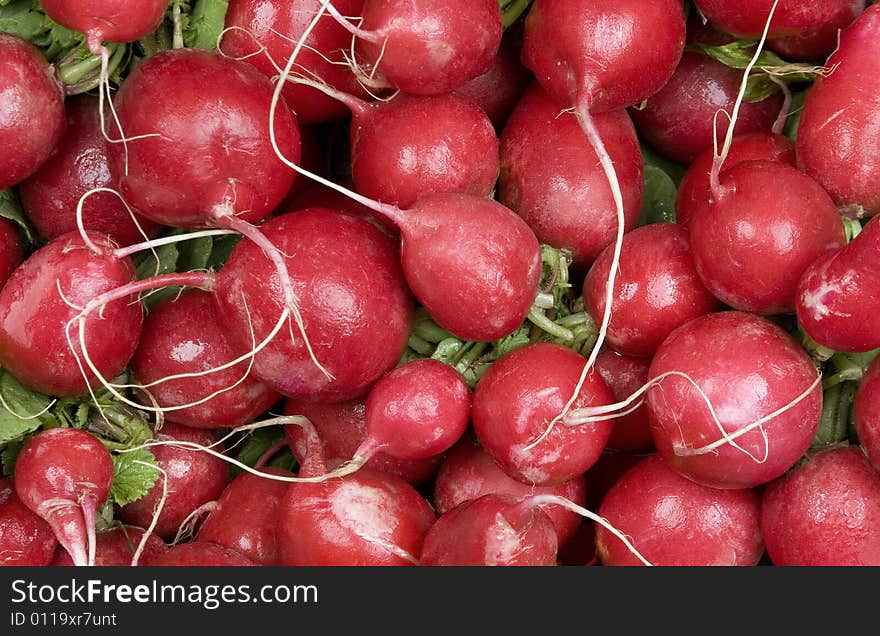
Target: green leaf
{"x": 255, "y": 446}
{"x": 11, "y": 209}
{"x": 222, "y": 248}
{"x": 23, "y": 411}
{"x": 132, "y": 479}
{"x": 19, "y": 17}
{"x": 658, "y": 200}
{"x": 674, "y": 170}
{"x": 205, "y": 24}
{"x": 8, "y": 457}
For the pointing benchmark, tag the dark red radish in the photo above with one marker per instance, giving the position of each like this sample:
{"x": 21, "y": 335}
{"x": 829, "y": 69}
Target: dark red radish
{"x": 763, "y": 389}
{"x": 746, "y": 18}
{"x": 580, "y": 549}
{"x": 25, "y": 538}
{"x": 318, "y": 195}
{"x": 31, "y": 112}
{"x": 63, "y": 475}
{"x": 493, "y": 530}
{"x": 550, "y": 175}
{"x": 358, "y": 318}
{"x": 315, "y": 156}
{"x": 184, "y": 336}
{"x": 11, "y": 251}
{"x": 194, "y": 478}
{"x": 657, "y": 288}
{"x": 693, "y": 191}
{"x": 839, "y": 129}
{"x": 202, "y": 553}
{"x": 367, "y": 518}
{"x": 468, "y": 472}
{"x": 607, "y": 470}
{"x": 624, "y": 375}
{"x": 117, "y": 546}
{"x": 679, "y": 121}
{"x": 40, "y": 323}
{"x": 110, "y": 20}
{"x": 866, "y": 413}
{"x": 519, "y": 397}
{"x": 51, "y": 195}
{"x": 673, "y": 521}
{"x": 600, "y": 57}
{"x": 767, "y": 222}
{"x": 244, "y": 517}
{"x": 838, "y": 296}
{"x": 825, "y": 512}
{"x": 204, "y": 155}
{"x": 819, "y": 42}
{"x": 428, "y": 47}
{"x": 342, "y": 428}
{"x": 498, "y": 90}
{"x": 277, "y": 26}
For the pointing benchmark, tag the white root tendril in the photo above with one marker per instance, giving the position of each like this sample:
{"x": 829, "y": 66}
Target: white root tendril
{"x": 157, "y": 510}
{"x": 187, "y": 527}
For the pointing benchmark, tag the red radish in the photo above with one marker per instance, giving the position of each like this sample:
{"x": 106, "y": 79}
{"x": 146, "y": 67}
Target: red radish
{"x": 116, "y": 547}
{"x": 32, "y": 110}
{"x": 275, "y": 25}
{"x": 837, "y": 296}
{"x": 110, "y": 20}
{"x": 63, "y": 475}
{"x": 825, "y": 512}
{"x": 202, "y": 553}
{"x": 245, "y": 516}
{"x": 193, "y": 479}
{"x": 624, "y": 375}
{"x": 428, "y": 47}
{"x": 693, "y": 191}
{"x": 550, "y": 175}
{"x": 368, "y": 518}
{"x": 516, "y": 401}
{"x": 673, "y": 521}
{"x": 40, "y": 309}
{"x": 51, "y": 195}
{"x": 183, "y": 336}
{"x": 766, "y": 224}
{"x": 839, "y": 128}
{"x": 607, "y": 470}
{"x": 820, "y": 41}
{"x": 342, "y": 427}
{"x": 315, "y": 157}
{"x": 493, "y": 530}
{"x": 680, "y": 120}
{"x": 25, "y": 538}
{"x": 11, "y": 252}
{"x": 746, "y": 18}
{"x": 468, "y": 472}
{"x": 358, "y": 318}
{"x": 580, "y": 549}
{"x": 765, "y": 396}
{"x": 657, "y": 288}
{"x": 318, "y": 195}
{"x": 866, "y": 413}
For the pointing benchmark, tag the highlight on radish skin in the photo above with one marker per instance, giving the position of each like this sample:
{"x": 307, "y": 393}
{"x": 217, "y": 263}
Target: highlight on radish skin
{"x": 25, "y": 537}
{"x": 110, "y": 20}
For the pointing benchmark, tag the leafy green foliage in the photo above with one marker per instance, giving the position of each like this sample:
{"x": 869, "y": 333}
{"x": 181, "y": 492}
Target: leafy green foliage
{"x": 10, "y": 209}
{"x": 22, "y": 411}
{"x": 134, "y": 473}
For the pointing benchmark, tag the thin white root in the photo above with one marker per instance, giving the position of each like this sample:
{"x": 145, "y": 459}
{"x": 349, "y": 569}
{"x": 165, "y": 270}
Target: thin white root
{"x": 187, "y": 527}
{"x": 157, "y": 510}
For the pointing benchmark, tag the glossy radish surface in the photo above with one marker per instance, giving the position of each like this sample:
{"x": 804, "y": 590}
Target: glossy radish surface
{"x": 112, "y": 20}
{"x": 117, "y": 546}
{"x": 11, "y": 251}
{"x": 25, "y": 538}
{"x": 624, "y": 375}
{"x": 866, "y": 413}
{"x": 747, "y": 18}
{"x": 202, "y": 553}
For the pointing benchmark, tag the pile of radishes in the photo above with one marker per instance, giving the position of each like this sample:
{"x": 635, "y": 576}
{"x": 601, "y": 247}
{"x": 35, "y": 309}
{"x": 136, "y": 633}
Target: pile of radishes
{"x": 446, "y": 282}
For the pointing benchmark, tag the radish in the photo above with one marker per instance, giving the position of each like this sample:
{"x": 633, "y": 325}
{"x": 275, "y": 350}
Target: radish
{"x": 680, "y": 120}
{"x": 368, "y": 518}
{"x": 824, "y": 512}
{"x": 194, "y": 479}
{"x": 107, "y": 20}
{"x": 263, "y": 32}
{"x": 516, "y": 400}
{"x": 79, "y": 165}
{"x": 63, "y": 475}
{"x": 32, "y": 117}
{"x": 342, "y": 428}
{"x": 764, "y": 392}
{"x": 606, "y": 472}
{"x": 819, "y": 42}
{"x": 837, "y": 296}
{"x": 866, "y": 413}
{"x": 116, "y": 547}
{"x": 838, "y": 131}
{"x": 244, "y": 517}
{"x": 11, "y": 251}
{"x": 673, "y": 521}
{"x": 468, "y": 473}
{"x": 428, "y": 47}
{"x": 746, "y": 18}
{"x": 25, "y": 538}
{"x": 657, "y": 288}
{"x": 624, "y": 375}
{"x": 693, "y": 191}
{"x": 766, "y": 224}
{"x": 182, "y": 337}
{"x": 550, "y": 175}
{"x": 202, "y": 553}
{"x": 41, "y": 326}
